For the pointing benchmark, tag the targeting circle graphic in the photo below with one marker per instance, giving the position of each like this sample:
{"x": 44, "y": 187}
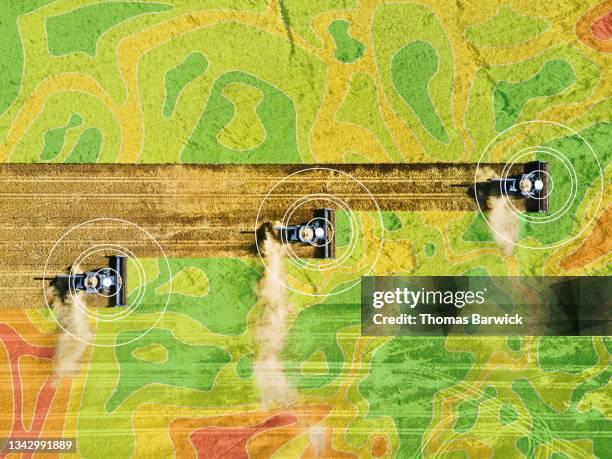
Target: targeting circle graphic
{"x": 544, "y": 141}
{"x": 359, "y": 241}
{"x": 85, "y": 247}
{"x": 547, "y": 153}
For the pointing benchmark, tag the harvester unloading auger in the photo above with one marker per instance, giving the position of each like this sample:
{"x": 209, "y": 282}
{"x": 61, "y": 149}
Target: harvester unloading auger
{"x": 204, "y": 211}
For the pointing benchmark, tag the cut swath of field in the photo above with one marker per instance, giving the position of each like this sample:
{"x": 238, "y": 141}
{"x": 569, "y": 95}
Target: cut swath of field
{"x": 192, "y": 211}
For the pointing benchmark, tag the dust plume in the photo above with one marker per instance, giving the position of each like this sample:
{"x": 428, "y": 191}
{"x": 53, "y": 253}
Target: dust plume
{"x": 74, "y": 333}
{"x": 316, "y": 435}
{"x": 273, "y": 386}
{"x": 504, "y": 223}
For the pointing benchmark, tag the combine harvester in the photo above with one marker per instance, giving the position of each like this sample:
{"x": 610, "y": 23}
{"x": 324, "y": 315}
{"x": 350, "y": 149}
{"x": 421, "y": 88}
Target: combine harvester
{"x": 202, "y": 211}
{"x": 317, "y": 232}
{"x": 108, "y": 282}
{"x": 531, "y": 186}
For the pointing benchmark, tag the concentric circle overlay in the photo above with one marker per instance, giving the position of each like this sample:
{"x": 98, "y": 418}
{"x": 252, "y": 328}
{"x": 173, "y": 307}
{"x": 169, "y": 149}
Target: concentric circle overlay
{"x": 86, "y": 248}
{"x": 569, "y": 155}
{"x": 359, "y": 238}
